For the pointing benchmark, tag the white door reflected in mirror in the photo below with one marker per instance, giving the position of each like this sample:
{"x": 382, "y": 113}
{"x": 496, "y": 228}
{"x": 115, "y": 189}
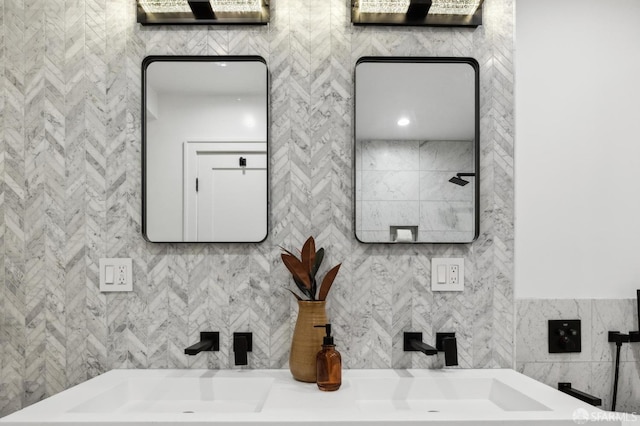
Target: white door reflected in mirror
{"x": 225, "y": 198}
{"x": 201, "y": 114}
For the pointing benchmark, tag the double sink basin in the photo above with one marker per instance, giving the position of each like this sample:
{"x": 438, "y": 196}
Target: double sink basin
{"x": 246, "y": 397}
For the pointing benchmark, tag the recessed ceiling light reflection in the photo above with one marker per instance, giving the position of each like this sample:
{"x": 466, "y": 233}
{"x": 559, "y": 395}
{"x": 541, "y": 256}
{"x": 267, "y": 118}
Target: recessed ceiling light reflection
{"x": 249, "y": 121}
{"x": 403, "y": 121}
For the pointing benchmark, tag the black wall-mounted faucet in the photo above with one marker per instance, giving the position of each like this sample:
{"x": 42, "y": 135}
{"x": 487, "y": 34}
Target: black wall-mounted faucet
{"x": 209, "y": 341}
{"x": 445, "y": 342}
{"x": 619, "y": 338}
{"x": 242, "y": 344}
{"x": 582, "y": 396}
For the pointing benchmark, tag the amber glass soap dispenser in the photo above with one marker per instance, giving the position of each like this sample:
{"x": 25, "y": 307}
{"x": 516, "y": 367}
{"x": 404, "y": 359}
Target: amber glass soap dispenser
{"x": 328, "y": 364}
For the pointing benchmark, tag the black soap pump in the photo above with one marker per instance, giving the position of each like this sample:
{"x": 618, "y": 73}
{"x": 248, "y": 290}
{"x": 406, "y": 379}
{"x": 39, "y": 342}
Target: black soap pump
{"x": 328, "y": 363}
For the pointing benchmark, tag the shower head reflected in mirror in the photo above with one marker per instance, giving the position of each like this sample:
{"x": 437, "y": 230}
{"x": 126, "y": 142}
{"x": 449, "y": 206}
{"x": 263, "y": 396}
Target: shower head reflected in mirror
{"x": 457, "y": 179}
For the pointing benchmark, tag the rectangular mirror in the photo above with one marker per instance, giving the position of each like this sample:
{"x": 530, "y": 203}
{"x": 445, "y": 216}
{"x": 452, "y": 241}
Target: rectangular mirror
{"x": 416, "y": 151}
{"x": 204, "y": 148}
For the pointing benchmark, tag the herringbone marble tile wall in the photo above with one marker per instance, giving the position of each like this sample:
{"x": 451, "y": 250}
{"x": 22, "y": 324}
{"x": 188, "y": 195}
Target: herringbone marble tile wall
{"x": 70, "y": 194}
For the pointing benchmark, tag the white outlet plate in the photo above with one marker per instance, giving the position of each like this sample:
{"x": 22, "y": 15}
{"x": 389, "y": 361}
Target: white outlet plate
{"x": 122, "y": 275}
{"x": 454, "y": 279}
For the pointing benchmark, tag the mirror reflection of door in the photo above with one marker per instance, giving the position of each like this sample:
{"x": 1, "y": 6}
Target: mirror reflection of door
{"x": 216, "y": 100}
{"x": 416, "y": 148}
{"x": 224, "y": 192}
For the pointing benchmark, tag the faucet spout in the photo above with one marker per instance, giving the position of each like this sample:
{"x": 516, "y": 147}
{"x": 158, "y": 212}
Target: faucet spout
{"x": 445, "y": 342}
{"x": 423, "y": 347}
{"x": 209, "y": 341}
{"x": 413, "y": 342}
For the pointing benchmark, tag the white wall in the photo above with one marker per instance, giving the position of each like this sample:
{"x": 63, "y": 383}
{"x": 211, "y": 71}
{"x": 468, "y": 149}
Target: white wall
{"x": 184, "y": 118}
{"x": 577, "y": 151}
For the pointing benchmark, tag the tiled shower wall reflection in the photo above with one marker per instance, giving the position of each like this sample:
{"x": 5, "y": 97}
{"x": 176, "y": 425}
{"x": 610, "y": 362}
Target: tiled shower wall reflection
{"x": 406, "y": 183}
{"x": 592, "y": 369}
{"x": 70, "y": 194}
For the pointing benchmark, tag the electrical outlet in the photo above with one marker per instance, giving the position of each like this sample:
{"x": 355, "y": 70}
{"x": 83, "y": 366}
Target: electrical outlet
{"x": 453, "y": 274}
{"x": 447, "y": 274}
{"x": 116, "y": 275}
{"x": 122, "y": 275}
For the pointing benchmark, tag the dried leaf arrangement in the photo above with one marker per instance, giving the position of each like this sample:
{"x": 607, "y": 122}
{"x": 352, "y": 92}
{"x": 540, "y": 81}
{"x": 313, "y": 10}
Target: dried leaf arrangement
{"x": 304, "y": 271}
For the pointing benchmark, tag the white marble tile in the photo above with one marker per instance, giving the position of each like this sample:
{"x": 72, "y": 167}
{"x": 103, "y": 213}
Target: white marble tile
{"x": 602, "y": 382}
{"x": 446, "y": 216}
{"x": 628, "y": 398}
{"x": 451, "y": 156}
{"x": 380, "y": 215}
{"x": 445, "y": 236}
{"x": 390, "y": 155}
{"x": 552, "y": 373}
{"x": 390, "y": 186}
{"x": 532, "y": 329}
{"x": 435, "y": 186}
{"x": 374, "y": 236}
{"x": 613, "y": 315}
{"x": 595, "y": 365}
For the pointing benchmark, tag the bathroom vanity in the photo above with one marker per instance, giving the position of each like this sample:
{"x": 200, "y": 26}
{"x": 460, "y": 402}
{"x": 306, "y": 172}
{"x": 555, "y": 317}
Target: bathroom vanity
{"x": 245, "y": 397}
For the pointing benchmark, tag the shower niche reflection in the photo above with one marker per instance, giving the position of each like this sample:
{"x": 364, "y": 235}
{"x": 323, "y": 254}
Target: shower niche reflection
{"x": 416, "y": 150}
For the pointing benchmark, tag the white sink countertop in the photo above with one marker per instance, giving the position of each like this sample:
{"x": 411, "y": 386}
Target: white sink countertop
{"x": 244, "y": 397}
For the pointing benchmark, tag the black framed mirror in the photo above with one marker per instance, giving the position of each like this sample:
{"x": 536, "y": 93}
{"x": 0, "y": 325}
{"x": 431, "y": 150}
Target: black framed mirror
{"x": 416, "y": 150}
{"x": 204, "y": 148}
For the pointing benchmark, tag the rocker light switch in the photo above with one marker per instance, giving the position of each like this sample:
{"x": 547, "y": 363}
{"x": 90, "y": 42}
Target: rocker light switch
{"x": 108, "y": 274}
{"x": 442, "y": 274}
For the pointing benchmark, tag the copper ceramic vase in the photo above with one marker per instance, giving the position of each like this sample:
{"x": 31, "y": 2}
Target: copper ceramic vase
{"x": 307, "y": 340}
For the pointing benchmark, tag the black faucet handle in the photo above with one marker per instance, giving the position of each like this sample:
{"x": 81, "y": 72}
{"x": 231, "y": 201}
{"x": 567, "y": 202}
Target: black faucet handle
{"x": 242, "y": 345}
{"x": 447, "y": 343}
{"x": 450, "y": 351}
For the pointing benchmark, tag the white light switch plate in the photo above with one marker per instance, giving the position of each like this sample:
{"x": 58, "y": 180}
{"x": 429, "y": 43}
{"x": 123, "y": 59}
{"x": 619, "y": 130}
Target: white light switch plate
{"x": 447, "y": 274}
{"x": 122, "y": 279}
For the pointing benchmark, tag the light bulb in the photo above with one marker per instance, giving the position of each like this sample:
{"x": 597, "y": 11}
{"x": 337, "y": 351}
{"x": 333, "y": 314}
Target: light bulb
{"x": 384, "y": 6}
{"x": 236, "y": 5}
{"x": 165, "y": 6}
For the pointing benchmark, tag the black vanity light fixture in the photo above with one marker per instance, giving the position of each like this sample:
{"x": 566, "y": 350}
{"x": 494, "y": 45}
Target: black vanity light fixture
{"x": 203, "y": 12}
{"x": 432, "y": 13}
